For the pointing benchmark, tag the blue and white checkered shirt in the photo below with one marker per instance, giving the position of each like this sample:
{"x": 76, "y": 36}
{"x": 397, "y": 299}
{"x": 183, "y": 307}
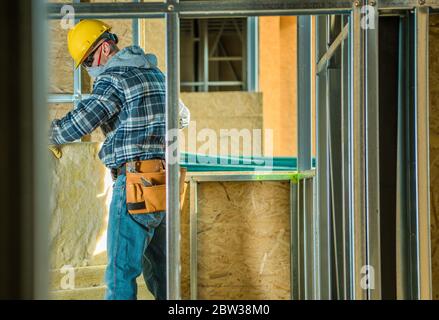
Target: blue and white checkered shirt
{"x": 128, "y": 103}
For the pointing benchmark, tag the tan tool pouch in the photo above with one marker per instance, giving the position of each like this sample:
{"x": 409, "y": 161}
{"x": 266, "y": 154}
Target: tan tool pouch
{"x": 146, "y": 192}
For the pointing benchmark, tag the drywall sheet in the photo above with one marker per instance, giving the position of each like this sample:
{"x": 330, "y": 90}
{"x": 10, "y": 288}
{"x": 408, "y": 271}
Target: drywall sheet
{"x": 243, "y": 241}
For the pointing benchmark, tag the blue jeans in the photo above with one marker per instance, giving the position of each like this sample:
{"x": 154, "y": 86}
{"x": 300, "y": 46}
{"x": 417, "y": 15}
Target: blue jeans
{"x": 135, "y": 244}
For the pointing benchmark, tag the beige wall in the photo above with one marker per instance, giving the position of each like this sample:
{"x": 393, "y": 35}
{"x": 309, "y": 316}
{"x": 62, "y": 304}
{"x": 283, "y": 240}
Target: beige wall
{"x": 219, "y": 111}
{"x": 277, "y": 80}
{"x": 153, "y": 39}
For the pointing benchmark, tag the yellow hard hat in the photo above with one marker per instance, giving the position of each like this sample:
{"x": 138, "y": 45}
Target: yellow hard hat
{"x": 83, "y": 36}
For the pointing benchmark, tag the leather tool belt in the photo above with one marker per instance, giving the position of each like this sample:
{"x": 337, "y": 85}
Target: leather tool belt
{"x": 146, "y": 186}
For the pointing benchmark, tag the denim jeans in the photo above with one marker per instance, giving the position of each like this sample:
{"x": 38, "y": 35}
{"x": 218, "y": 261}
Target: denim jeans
{"x": 135, "y": 244}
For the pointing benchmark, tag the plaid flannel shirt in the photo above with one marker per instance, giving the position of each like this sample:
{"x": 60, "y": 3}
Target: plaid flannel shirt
{"x": 128, "y": 103}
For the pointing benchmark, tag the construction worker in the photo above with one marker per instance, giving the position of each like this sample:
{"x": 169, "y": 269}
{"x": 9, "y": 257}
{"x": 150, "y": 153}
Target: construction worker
{"x": 128, "y": 104}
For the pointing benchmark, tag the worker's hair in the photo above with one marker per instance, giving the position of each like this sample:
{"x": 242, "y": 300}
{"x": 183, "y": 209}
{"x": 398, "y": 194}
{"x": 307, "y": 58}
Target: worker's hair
{"x": 113, "y": 40}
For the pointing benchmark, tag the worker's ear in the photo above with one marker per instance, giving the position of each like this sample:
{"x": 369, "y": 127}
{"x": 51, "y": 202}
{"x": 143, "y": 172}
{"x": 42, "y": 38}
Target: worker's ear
{"x": 106, "y": 49}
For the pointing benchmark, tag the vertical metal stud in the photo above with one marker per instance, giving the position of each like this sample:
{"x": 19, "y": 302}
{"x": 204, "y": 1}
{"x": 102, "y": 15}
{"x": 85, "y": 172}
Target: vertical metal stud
{"x": 357, "y": 154}
{"x": 301, "y": 241}
{"x": 322, "y": 170}
{"x": 135, "y": 28}
{"x": 193, "y": 229}
{"x": 421, "y": 207}
{"x": 333, "y": 100}
{"x": 245, "y": 55}
{"x": 304, "y": 121}
{"x": 403, "y": 237}
{"x": 40, "y": 216}
{"x": 204, "y": 54}
{"x": 308, "y": 237}
{"x": 304, "y": 134}
{"x": 372, "y": 153}
{"x": 346, "y": 223}
{"x": 413, "y": 199}
{"x": 172, "y": 153}
{"x": 316, "y": 244}
{"x": 294, "y": 242}
{"x": 77, "y": 84}
{"x": 365, "y": 157}
{"x": 334, "y": 152}
{"x": 252, "y": 54}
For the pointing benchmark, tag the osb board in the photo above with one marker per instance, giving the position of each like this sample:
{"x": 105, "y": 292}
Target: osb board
{"x": 78, "y": 203}
{"x": 243, "y": 241}
{"x": 434, "y": 150}
{"x": 221, "y": 111}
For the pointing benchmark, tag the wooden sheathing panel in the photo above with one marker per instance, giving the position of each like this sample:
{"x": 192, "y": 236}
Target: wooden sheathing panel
{"x": 243, "y": 241}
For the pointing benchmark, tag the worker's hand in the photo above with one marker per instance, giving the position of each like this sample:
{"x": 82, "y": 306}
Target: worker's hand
{"x": 56, "y": 151}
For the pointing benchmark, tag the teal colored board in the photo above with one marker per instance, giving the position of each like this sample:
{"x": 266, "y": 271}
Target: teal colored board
{"x": 201, "y": 163}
